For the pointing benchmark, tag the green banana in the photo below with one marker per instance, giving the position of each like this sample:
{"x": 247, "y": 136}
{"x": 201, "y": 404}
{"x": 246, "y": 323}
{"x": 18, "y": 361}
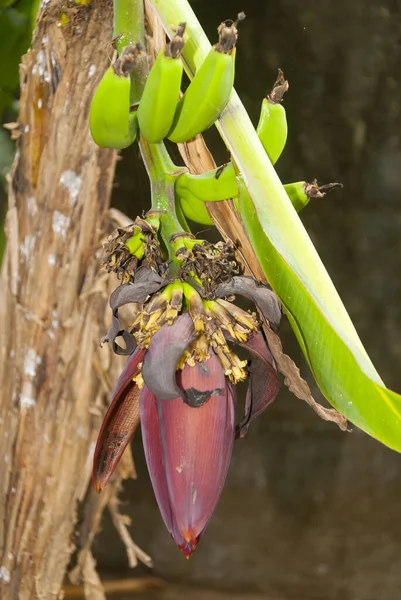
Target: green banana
{"x": 162, "y": 90}
{"x": 272, "y": 128}
{"x": 135, "y": 245}
{"x": 212, "y": 186}
{"x": 181, "y": 216}
{"x": 297, "y": 194}
{"x": 195, "y": 209}
{"x": 194, "y": 190}
{"x": 111, "y": 123}
{"x": 210, "y": 89}
{"x": 301, "y": 192}
{"x": 222, "y": 183}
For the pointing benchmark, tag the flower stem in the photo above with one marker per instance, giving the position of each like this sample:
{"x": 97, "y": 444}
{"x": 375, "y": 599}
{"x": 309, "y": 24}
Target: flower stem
{"x": 162, "y": 174}
{"x": 129, "y": 30}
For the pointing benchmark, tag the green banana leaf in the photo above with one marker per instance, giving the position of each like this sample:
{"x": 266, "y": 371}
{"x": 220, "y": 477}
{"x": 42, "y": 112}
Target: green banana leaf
{"x": 336, "y": 356}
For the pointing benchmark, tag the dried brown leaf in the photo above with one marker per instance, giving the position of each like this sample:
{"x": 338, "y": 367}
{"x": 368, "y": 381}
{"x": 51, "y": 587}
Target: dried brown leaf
{"x": 296, "y": 384}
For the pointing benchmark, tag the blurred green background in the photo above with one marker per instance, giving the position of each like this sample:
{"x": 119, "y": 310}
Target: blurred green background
{"x": 308, "y": 512}
{"x": 16, "y": 22}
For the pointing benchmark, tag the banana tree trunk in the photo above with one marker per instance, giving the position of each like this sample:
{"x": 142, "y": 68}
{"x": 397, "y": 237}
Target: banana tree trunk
{"x": 52, "y": 300}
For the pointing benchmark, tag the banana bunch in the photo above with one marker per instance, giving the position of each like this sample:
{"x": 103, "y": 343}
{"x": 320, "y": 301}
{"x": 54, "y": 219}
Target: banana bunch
{"x": 220, "y": 184}
{"x": 194, "y": 190}
{"x": 162, "y": 114}
{"x": 210, "y": 89}
{"x": 111, "y": 122}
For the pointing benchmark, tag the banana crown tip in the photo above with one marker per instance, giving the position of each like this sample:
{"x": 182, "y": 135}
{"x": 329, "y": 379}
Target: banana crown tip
{"x": 228, "y": 34}
{"x": 127, "y": 60}
{"x": 280, "y": 87}
{"x": 174, "y": 47}
{"x": 313, "y": 190}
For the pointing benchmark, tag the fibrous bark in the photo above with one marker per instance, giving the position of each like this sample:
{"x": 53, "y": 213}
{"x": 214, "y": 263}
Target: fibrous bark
{"x": 53, "y": 376}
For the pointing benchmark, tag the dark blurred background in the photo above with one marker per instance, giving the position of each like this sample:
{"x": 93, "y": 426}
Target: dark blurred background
{"x": 308, "y": 512}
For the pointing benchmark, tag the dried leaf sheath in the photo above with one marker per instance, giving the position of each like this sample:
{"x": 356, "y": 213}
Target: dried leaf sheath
{"x": 119, "y": 423}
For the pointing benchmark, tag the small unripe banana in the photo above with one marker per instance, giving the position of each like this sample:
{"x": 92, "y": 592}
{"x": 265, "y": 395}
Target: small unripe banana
{"x": 301, "y": 192}
{"x": 136, "y": 245}
{"x": 111, "y": 123}
{"x": 192, "y": 196}
{"x": 212, "y": 186}
{"x": 222, "y": 184}
{"x": 210, "y": 89}
{"x": 195, "y": 209}
{"x": 272, "y": 128}
{"x": 162, "y": 90}
{"x": 297, "y": 194}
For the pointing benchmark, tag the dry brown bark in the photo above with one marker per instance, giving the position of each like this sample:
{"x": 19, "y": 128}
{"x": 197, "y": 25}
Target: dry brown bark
{"x": 53, "y": 377}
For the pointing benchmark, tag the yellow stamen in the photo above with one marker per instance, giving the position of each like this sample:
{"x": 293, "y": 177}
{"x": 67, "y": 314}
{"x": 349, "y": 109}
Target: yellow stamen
{"x": 138, "y": 378}
{"x": 153, "y": 319}
{"x": 241, "y": 316}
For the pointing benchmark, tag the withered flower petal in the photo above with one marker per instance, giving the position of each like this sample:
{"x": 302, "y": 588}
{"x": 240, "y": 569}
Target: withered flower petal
{"x": 119, "y": 423}
{"x": 115, "y": 332}
{"x": 264, "y": 383}
{"x": 261, "y": 295}
{"x": 147, "y": 282}
{"x": 203, "y": 380}
{"x": 145, "y": 275}
{"x": 166, "y": 347}
{"x": 189, "y": 469}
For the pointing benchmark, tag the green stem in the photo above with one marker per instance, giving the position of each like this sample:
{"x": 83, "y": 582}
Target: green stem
{"x": 162, "y": 174}
{"x": 159, "y": 165}
{"x": 129, "y": 29}
{"x": 129, "y": 26}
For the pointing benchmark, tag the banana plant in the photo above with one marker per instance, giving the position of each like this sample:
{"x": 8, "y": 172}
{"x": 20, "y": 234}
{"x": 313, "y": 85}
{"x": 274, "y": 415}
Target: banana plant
{"x": 180, "y": 378}
{"x": 324, "y": 330}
